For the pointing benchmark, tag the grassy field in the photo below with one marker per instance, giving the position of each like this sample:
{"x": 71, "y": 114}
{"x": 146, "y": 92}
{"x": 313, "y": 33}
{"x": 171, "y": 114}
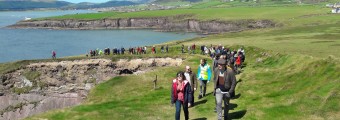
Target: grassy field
{"x": 291, "y": 15}
{"x": 292, "y": 70}
{"x": 319, "y": 41}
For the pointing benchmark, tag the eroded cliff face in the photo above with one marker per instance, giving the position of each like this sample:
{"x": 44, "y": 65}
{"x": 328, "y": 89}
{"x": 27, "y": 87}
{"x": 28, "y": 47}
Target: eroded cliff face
{"x": 160, "y": 23}
{"x": 39, "y": 87}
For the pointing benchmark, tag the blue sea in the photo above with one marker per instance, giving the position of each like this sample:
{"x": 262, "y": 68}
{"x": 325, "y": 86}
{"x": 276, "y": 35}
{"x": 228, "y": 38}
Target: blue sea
{"x": 23, "y": 44}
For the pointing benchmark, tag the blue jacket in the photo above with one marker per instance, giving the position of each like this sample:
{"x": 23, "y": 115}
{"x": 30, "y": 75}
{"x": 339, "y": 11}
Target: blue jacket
{"x": 204, "y": 73}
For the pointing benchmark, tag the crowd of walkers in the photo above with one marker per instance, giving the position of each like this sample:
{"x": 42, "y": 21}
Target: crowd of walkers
{"x": 122, "y": 51}
{"x": 224, "y": 68}
{"x": 226, "y": 63}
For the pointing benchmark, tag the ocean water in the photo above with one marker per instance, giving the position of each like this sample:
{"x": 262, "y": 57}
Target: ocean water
{"x": 23, "y": 44}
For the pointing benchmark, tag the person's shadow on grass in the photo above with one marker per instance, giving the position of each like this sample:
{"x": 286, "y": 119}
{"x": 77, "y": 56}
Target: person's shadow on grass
{"x": 232, "y": 106}
{"x": 200, "y": 102}
{"x": 237, "y": 114}
{"x": 200, "y": 118}
{"x": 236, "y": 96}
{"x": 208, "y": 94}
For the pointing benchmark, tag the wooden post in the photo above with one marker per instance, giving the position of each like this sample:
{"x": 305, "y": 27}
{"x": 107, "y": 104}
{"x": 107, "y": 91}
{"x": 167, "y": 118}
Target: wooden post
{"x": 155, "y": 83}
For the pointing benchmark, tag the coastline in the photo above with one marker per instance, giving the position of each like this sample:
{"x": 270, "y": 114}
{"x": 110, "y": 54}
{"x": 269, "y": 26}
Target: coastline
{"x": 165, "y": 24}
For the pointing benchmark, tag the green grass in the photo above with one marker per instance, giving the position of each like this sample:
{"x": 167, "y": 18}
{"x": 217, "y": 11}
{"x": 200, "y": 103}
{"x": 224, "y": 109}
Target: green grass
{"x": 297, "y": 89}
{"x": 31, "y": 75}
{"x": 319, "y": 41}
{"x": 294, "y": 15}
{"x": 280, "y": 87}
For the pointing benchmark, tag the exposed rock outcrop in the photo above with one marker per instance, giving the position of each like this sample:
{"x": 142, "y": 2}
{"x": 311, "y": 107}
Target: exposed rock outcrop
{"x": 39, "y": 87}
{"x": 161, "y": 23}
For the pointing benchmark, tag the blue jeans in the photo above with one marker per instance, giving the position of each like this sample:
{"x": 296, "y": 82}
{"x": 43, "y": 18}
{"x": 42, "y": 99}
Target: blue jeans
{"x": 178, "y": 110}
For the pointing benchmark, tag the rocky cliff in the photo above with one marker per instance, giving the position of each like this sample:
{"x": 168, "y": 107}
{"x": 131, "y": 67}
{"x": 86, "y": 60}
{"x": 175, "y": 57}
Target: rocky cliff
{"x": 39, "y": 87}
{"x": 160, "y": 23}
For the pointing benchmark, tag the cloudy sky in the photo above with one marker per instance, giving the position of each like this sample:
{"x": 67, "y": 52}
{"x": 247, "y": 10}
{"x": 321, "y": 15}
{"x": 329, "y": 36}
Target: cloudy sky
{"x": 93, "y": 1}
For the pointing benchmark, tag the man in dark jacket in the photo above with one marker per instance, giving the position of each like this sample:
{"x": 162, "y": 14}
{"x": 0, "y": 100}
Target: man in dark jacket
{"x": 191, "y": 77}
{"x": 225, "y": 82}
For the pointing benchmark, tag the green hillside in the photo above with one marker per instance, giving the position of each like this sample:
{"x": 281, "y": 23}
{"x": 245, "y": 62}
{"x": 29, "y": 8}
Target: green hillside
{"x": 280, "y": 87}
{"x": 292, "y": 70}
{"x": 293, "y": 15}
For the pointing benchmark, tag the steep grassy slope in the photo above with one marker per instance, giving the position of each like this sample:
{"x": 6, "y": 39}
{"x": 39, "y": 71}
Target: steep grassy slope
{"x": 291, "y": 87}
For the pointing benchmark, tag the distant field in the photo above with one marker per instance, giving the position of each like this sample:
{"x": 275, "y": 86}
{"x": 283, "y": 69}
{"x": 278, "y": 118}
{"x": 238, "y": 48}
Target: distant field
{"x": 293, "y": 15}
{"x": 318, "y": 41}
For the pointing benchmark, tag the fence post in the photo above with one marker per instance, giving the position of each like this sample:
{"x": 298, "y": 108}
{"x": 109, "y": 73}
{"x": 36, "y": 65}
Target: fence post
{"x": 155, "y": 83}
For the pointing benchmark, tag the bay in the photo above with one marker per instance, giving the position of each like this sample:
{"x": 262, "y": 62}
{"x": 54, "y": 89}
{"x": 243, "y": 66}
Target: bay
{"x": 22, "y": 44}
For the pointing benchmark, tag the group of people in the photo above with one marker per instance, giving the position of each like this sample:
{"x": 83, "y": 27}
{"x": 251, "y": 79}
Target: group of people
{"x": 236, "y": 57}
{"x": 107, "y": 51}
{"x": 191, "y": 48}
{"x": 224, "y": 79}
{"x": 121, "y": 51}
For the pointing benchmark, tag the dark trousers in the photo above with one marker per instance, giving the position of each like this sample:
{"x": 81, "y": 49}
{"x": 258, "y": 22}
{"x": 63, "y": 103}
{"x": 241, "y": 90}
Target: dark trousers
{"x": 203, "y": 86}
{"x": 192, "y": 98}
{"x": 178, "y": 110}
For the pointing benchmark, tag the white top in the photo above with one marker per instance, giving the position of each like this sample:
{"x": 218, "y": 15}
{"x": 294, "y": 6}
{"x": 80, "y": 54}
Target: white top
{"x": 187, "y": 76}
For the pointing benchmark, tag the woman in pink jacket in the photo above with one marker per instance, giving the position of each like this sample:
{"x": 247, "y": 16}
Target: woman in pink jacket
{"x": 181, "y": 95}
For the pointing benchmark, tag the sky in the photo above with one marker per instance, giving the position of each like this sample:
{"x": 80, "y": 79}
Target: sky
{"x": 92, "y": 1}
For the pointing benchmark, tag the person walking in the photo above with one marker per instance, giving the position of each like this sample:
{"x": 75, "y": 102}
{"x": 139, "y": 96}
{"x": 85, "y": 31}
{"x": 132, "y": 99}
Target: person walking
{"x": 189, "y": 49}
{"x": 54, "y": 54}
{"x": 191, "y": 77}
{"x": 162, "y": 49}
{"x": 153, "y": 50}
{"x": 224, "y": 86}
{"x": 181, "y": 95}
{"x": 203, "y": 75}
{"x": 193, "y": 48}
{"x": 167, "y": 49}
{"x": 182, "y": 48}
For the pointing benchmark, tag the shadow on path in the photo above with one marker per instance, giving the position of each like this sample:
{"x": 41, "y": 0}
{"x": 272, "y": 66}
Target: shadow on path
{"x": 237, "y": 114}
{"x": 236, "y": 96}
{"x": 200, "y": 102}
{"x": 208, "y": 94}
{"x": 232, "y": 106}
{"x": 200, "y": 118}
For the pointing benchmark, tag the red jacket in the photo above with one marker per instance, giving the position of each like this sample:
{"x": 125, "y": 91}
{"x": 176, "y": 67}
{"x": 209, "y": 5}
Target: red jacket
{"x": 187, "y": 91}
{"x": 238, "y": 60}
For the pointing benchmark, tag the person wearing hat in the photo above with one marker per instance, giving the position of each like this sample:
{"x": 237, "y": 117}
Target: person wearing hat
{"x": 224, "y": 85}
